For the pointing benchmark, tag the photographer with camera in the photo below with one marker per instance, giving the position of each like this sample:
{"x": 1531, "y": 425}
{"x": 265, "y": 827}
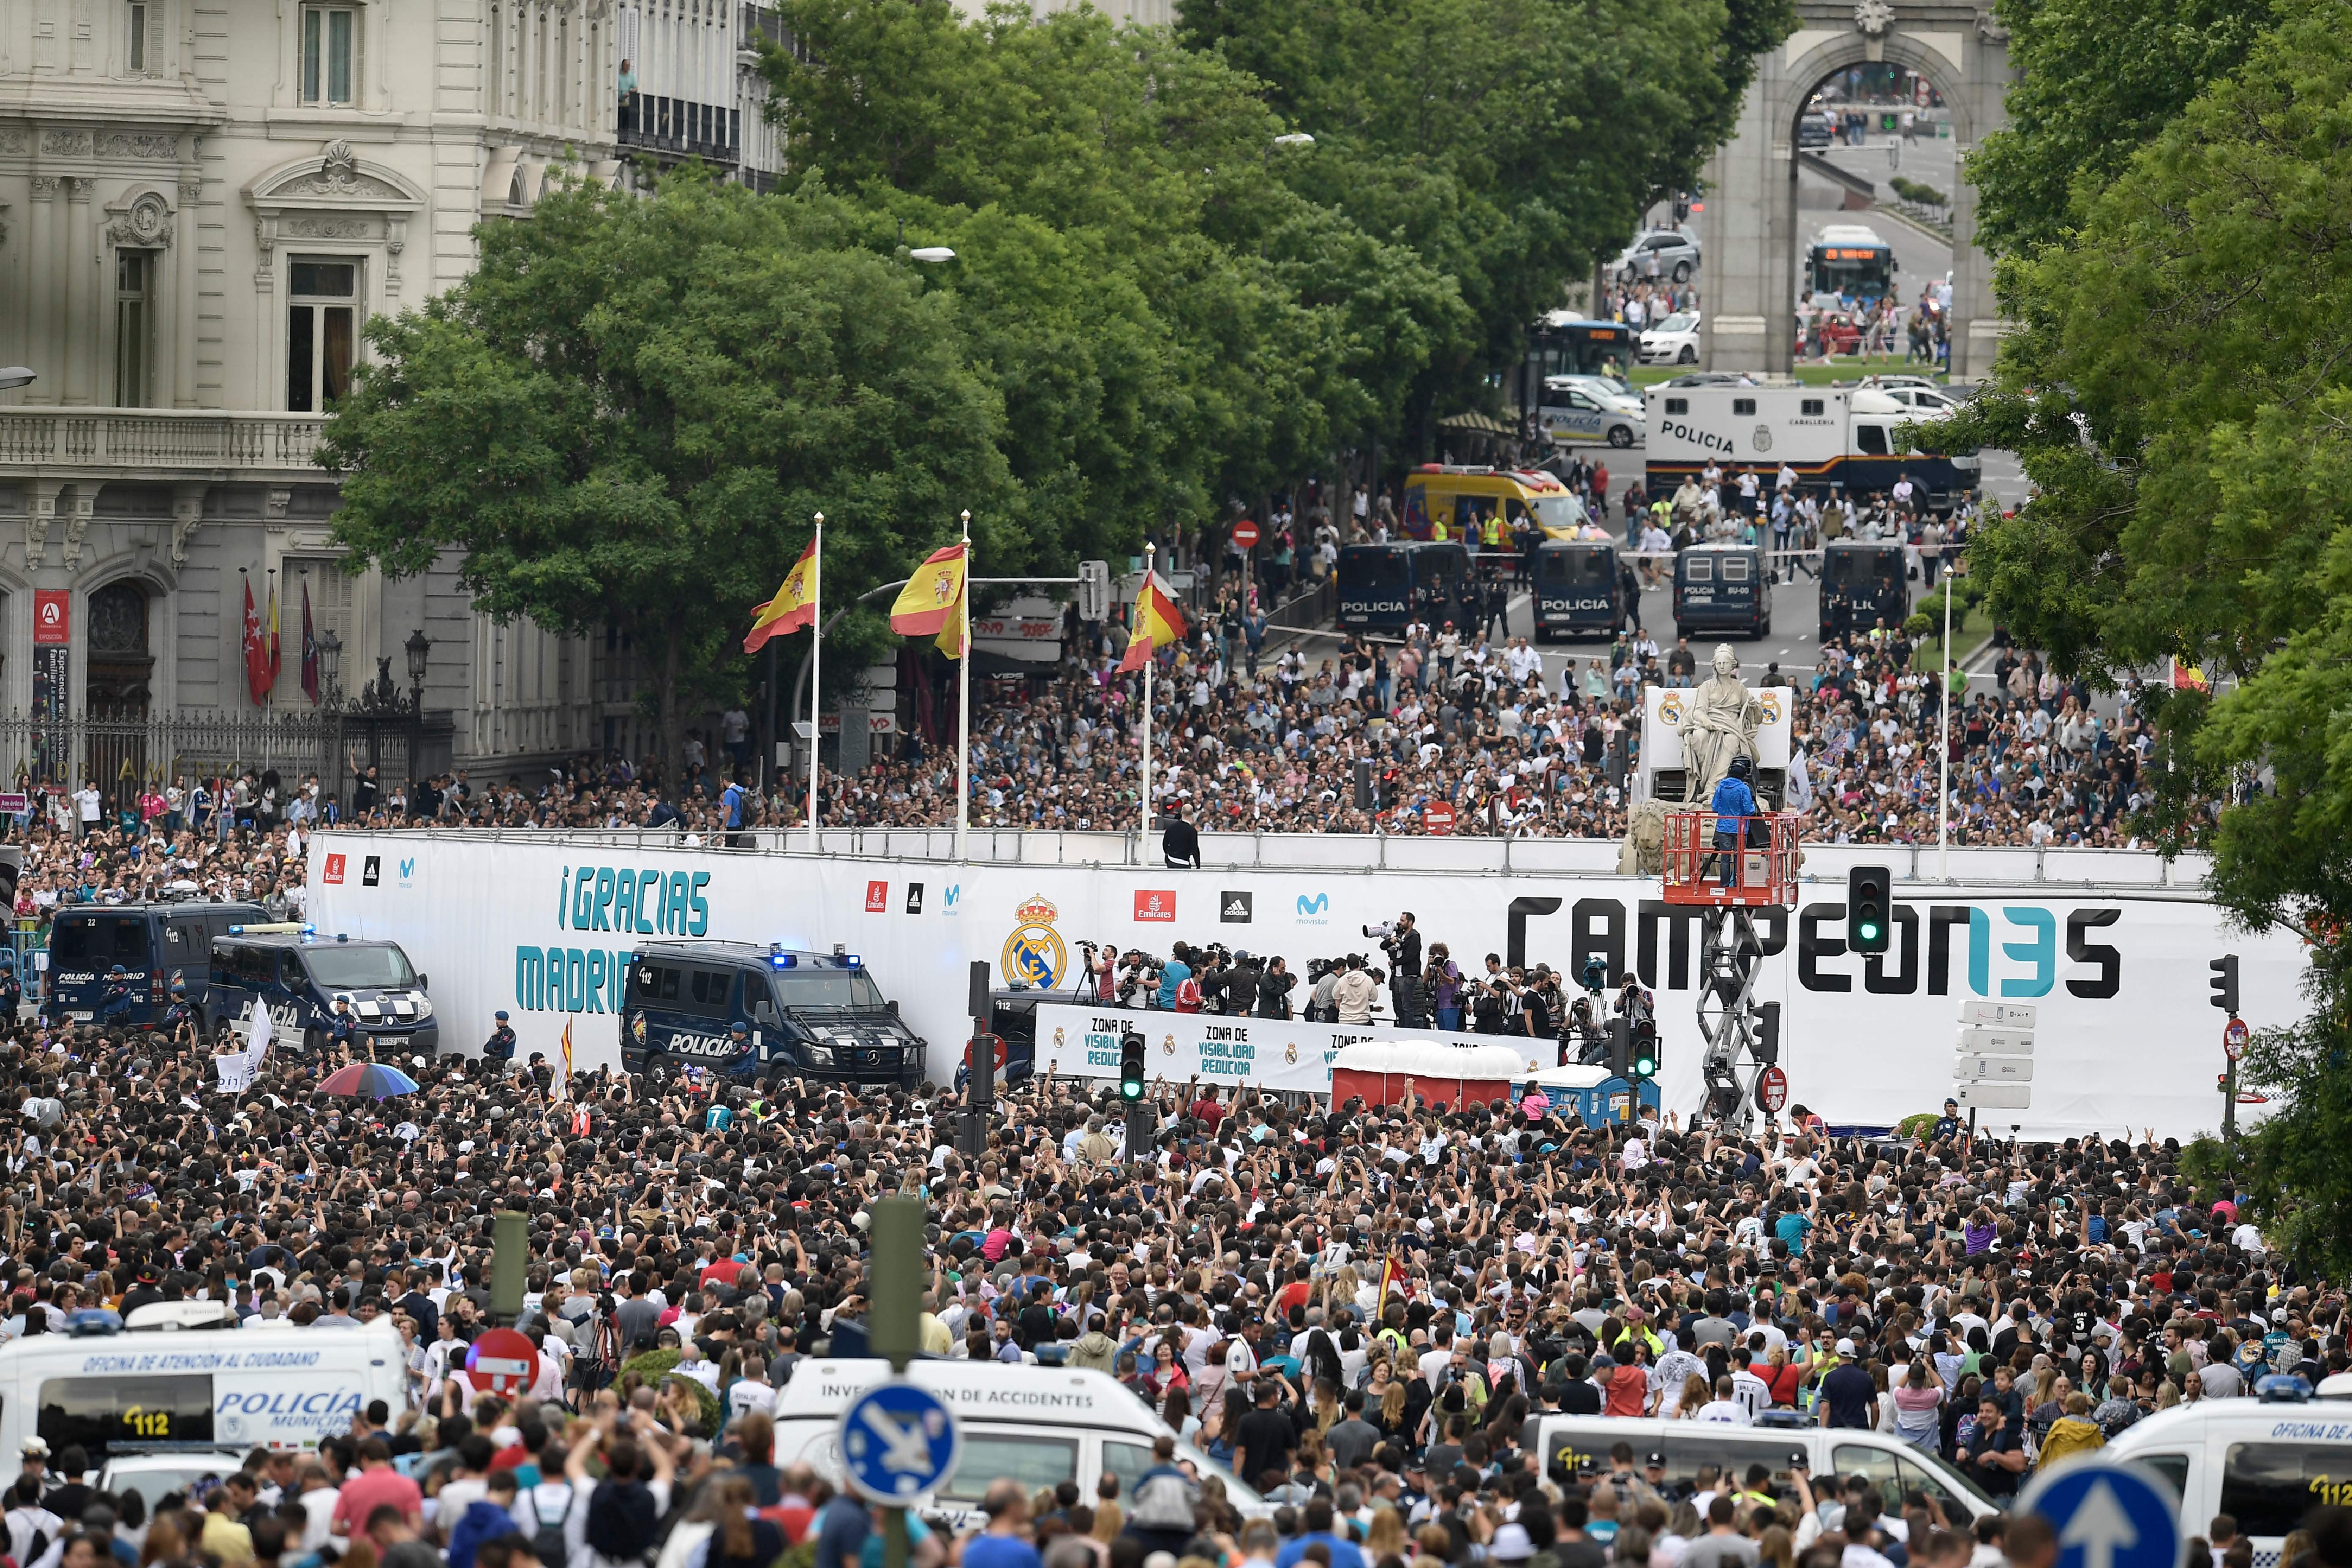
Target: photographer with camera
{"x": 1323, "y": 974}
{"x": 1495, "y": 1006}
{"x": 1098, "y": 977}
{"x": 1401, "y": 941}
{"x": 1273, "y": 988}
{"x": 1351, "y": 997}
{"x": 1138, "y": 979}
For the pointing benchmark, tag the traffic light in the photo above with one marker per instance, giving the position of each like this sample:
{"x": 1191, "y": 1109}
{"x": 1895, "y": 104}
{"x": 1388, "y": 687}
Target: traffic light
{"x": 1130, "y": 1065}
{"x": 2225, "y": 982}
{"x": 1363, "y": 777}
{"x": 1766, "y": 1046}
{"x": 1869, "y": 908}
{"x": 1621, "y": 1049}
{"x": 1645, "y": 1050}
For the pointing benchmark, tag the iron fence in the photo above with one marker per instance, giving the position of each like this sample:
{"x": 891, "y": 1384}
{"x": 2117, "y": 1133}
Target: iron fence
{"x": 122, "y": 751}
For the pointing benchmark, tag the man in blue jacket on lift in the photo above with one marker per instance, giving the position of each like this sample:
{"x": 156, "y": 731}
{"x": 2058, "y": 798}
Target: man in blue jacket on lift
{"x": 1734, "y": 800}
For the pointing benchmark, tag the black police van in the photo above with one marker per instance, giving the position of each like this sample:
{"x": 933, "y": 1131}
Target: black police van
{"x": 1723, "y": 588}
{"x": 1579, "y": 589}
{"x": 1863, "y": 581}
{"x": 1384, "y": 588}
{"x": 801, "y": 1014}
{"x": 156, "y": 944}
{"x": 297, "y": 974}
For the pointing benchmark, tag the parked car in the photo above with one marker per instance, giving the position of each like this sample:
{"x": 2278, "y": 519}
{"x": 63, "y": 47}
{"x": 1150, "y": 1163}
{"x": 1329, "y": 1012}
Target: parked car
{"x": 1816, "y": 129}
{"x": 1674, "y": 341}
{"x": 1677, "y": 255}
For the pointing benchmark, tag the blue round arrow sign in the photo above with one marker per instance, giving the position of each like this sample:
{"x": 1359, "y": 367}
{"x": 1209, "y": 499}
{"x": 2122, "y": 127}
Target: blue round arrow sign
{"x": 898, "y": 1441}
{"x": 2108, "y": 1514}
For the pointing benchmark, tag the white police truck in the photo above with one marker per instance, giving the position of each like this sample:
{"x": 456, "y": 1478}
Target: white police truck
{"x": 1839, "y": 440}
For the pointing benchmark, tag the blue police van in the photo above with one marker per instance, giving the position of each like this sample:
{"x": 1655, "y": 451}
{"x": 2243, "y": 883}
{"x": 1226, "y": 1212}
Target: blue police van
{"x": 1382, "y": 588}
{"x": 817, "y": 1016}
{"x": 156, "y": 944}
{"x": 1863, "y": 581}
{"x": 297, "y": 974}
{"x": 1723, "y": 588}
{"x": 1579, "y": 589}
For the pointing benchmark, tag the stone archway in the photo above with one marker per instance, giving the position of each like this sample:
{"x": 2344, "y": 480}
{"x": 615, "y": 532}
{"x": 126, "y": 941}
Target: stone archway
{"x": 1749, "y": 232}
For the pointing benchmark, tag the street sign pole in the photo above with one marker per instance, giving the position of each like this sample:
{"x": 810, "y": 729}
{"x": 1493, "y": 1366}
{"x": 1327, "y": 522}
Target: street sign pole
{"x": 2234, "y": 1035}
{"x": 893, "y": 1314}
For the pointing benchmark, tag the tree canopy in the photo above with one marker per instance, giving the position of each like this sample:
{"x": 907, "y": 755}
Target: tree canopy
{"x": 628, "y": 415}
{"x": 2179, "y": 390}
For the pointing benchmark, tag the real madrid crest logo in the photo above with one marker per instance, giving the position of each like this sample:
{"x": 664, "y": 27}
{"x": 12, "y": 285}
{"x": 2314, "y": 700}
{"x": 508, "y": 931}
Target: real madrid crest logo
{"x": 1034, "y": 954}
{"x": 1290, "y": 1053}
{"x": 1771, "y": 705}
{"x": 1670, "y": 708}
{"x": 1168, "y": 1044}
{"x": 1057, "y": 1039}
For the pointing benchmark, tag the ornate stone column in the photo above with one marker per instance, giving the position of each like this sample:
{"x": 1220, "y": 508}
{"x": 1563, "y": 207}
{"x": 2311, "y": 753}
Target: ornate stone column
{"x": 184, "y": 265}
{"x": 80, "y": 318}
{"x": 41, "y": 266}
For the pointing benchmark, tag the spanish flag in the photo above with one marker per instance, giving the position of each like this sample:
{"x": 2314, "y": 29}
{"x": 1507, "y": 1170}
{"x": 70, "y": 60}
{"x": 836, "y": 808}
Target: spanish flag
{"x": 1393, "y": 1276}
{"x": 793, "y": 607}
{"x": 563, "y": 1089}
{"x": 932, "y": 601}
{"x": 2189, "y": 676}
{"x": 1157, "y": 622}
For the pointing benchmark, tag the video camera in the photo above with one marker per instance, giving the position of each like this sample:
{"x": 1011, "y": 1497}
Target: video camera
{"x": 1596, "y": 973}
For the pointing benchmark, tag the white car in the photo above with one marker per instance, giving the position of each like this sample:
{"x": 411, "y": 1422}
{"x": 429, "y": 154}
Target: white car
{"x": 156, "y": 1476}
{"x": 1927, "y": 402}
{"x": 1577, "y": 413}
{"x": 1674, "y": 341}
{"x": 1605, "y": 390}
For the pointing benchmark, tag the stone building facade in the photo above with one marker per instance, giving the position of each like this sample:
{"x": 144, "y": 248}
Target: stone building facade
{"x": 200, "y": 204}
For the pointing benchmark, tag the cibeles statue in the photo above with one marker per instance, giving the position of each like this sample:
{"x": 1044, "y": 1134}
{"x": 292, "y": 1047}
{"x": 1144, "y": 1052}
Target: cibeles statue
{"x": 1719, "y": 722}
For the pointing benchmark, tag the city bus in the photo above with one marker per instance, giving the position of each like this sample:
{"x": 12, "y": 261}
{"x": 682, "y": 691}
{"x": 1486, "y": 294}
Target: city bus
{"x": 1563, "y": 344}
{"x": 1851, "y": 261}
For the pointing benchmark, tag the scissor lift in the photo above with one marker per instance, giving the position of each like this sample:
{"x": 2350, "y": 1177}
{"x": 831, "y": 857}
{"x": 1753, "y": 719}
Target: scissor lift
{"x": 1741, "y": 1036}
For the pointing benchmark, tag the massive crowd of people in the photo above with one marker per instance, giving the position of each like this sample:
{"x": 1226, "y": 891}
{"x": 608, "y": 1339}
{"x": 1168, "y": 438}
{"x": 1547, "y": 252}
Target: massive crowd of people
{"x": 1357, "y": 1310}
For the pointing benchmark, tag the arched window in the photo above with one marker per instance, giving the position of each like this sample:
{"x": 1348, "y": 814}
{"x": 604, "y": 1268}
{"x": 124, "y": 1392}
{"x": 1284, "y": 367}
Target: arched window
{"x": 122, "y": 668}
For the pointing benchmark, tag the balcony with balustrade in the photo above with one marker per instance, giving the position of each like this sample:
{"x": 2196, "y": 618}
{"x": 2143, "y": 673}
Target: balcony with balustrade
{"x": 159, "y": 444}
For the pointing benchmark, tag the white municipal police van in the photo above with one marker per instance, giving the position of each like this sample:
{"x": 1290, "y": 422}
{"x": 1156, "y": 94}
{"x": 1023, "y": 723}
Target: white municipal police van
{"x": 1036, "y": 1424}
{"x": 113, "y": 1392}
{"x": 2266, "y": 1462}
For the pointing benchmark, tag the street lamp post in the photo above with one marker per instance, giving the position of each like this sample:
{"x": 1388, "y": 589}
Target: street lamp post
{"x": 419, "y": 648}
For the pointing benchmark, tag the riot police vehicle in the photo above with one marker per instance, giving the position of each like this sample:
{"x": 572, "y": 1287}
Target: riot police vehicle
{"x": 756, "y": 1014}
{"x": 1723, "y": 588}
{"x": 297, "y": 975}
{"x": 158, "y": 946}
{"x": 1579, "y": 589}
{"x": 1863, "y": 581}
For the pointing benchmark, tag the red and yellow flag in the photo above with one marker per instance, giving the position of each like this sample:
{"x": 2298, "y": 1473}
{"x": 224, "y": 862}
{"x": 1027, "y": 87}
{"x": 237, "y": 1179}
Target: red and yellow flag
{"x": 793, "y": 607}
{"x": 2188, "y": 675}
{"x": 564, "y": 1088}
{"x": 932, "y": 603}
{"x": 1156, "y": 624}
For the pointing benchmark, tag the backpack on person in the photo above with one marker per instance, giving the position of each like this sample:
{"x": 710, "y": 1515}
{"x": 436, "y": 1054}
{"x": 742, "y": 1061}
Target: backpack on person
{"x": 547, "y": 1543}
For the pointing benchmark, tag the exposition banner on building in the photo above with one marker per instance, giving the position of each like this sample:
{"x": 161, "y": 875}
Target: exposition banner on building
{"x": 2125, "y": 1036}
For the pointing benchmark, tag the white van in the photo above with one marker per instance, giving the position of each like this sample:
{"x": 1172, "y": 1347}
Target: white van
{"x": 2265, "y": 1463}
{"x": 1039, "y": 1426}
{"x": 113, "y": 1392}
{"x": 1896, "y": 1467}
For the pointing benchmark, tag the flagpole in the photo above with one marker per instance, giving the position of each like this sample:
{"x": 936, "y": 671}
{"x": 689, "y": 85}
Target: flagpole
{"x": 1138, "y": 627}
{"x": 1944, "y": 743}
{"x": 816, "y": 670}
{"x": 963, "y": 706}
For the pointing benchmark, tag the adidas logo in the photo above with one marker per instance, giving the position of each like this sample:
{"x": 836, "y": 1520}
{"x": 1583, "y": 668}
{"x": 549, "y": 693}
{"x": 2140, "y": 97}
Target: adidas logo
{"x": 1235, "y": 907}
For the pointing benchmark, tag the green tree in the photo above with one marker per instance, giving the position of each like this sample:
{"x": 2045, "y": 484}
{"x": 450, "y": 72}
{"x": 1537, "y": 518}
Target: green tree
{"x": 2181, "y": 391}
{"x": 2097, "y": 83}
{"x": 627, "y": 414}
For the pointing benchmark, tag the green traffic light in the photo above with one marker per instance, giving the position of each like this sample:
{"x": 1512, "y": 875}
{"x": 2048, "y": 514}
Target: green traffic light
{"x": 1131, "y": 1088}
{"x": 1645, "y": 1067}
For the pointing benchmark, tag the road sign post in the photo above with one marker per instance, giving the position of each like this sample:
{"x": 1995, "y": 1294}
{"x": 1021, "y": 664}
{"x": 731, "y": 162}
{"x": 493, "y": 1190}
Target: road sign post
{"x": 2107, "y": 1514}
{"x": 898, "y": 1440}
{"x": 1772, "y": 1089}
{"x": 2235, "y": 1036}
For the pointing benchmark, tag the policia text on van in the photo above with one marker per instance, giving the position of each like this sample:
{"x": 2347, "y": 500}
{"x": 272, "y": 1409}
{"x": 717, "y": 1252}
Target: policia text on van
{"x": 764, "y": 1013}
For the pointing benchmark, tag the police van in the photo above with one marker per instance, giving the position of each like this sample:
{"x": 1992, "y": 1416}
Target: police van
{"x": 1038, "y": 1425}
{"x": 1838, "y": 440}
{"x": 1384, "y": 588}
{"x": 1864, "y": 581}
{"x": 1723, "y": 588}
{"x": 1578, "y": 591}
{"x": 2265, "y": 1461}
{"x": 297, "y": 974}
{"x": 804, "y": 1014}
{"x": 114, "y": 1392}
{"x": 157, "y": 945}
{"x": 1580, "y": 1444}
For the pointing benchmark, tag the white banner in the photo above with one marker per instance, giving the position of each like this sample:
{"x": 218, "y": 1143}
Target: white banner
{"x": 1267, "y": 1053}
{"x": 2124, "y": 1040}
